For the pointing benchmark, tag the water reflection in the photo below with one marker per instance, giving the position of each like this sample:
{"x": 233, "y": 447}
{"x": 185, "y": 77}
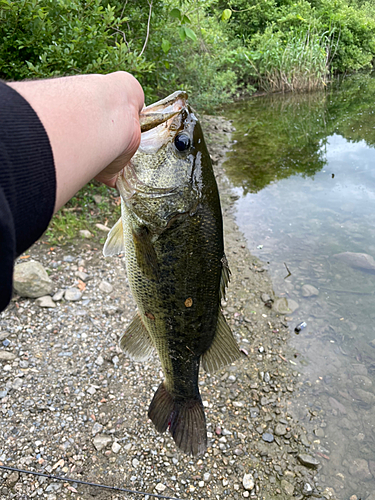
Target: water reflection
{"x": 304, "y": 167}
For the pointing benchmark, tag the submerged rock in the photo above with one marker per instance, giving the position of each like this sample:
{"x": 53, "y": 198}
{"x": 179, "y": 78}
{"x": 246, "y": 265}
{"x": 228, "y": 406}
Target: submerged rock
{"x": 308, "y": 461}
{"x": 31, "y": 280}
{"x": 357, "y": 260}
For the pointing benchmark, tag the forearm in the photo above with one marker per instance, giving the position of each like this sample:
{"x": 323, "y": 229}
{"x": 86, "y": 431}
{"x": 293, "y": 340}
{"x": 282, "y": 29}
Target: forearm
{"x": 90, "y": 121}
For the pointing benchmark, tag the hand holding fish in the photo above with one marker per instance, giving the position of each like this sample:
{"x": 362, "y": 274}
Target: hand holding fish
{"x": 92, "y": 122}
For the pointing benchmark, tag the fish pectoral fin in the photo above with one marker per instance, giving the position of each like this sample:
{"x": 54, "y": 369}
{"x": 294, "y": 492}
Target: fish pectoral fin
{"x": 225, "y": 276}
{"x": 185, "y": 419}
{"x": 223, "y": 350}
{"x": 145, "y": 252}
{"x": 114, "y": 244}
{"x": 136, "y": 340}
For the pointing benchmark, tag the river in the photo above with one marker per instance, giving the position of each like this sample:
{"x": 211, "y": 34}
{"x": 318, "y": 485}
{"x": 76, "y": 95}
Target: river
{"x": 303, "y": 167}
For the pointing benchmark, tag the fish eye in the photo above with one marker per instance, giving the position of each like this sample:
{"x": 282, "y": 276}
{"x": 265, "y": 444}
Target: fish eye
{"x": 182, "y": 142}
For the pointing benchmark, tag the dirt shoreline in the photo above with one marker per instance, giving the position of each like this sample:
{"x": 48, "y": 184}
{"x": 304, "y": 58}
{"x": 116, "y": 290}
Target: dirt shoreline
{"x": 73, "y": 405}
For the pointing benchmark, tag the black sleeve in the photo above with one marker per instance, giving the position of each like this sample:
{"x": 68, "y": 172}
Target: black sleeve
{"x": 27, "y": 182}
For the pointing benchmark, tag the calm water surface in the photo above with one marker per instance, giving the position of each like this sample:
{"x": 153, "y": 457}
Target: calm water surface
{"x": 304, "y": 169}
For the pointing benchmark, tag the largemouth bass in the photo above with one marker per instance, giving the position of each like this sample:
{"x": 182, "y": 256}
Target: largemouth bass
{"x": 171, "y": 232}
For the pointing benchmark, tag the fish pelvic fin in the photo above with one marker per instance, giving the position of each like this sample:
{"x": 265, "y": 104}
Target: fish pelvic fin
{"x": 185, "y": 419}
{"x": 223, "y": 350}
{"x": 114, "y": 244}
{"x": 136, "y": 340}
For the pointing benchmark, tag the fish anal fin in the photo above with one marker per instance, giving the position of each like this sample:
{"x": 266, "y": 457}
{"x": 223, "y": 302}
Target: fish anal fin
{"x": 145, "y": 253}
{"x": 185, "y": 419}
{"x": 223, "y": 350}
{"x": 225, "y": 277}
{"x": 136, "y": 340}
{"x": 114, "y": 244}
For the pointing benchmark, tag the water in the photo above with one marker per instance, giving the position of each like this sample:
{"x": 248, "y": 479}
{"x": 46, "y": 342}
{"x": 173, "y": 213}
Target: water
{"x": 304, "y": 169}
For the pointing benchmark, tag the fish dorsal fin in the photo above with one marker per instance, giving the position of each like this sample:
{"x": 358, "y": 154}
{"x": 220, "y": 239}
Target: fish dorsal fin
{"x": 136, "y": 340}
{"x": 225, "y": 277}
{"x": 223, "y": 350}
{"x": 145, "y": 252}
{"x": 114, "y": 244}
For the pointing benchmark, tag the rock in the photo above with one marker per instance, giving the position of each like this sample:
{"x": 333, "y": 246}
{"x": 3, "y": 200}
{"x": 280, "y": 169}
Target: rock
{"x": 248, "y": 482}
{"x": 268, "y": 437}
{"x": 85, "y": 233}
{"x": 100, "y": 442}
{"x": 58, "y": 295}
{"x": 101, "y": 227}
{"x": 116, "y": 447}
{"x": 45, "y": 301}
{"x": 3, "y": 335}
{"x": 17, "y": 384}
{"x": 99, "y": 360}
{"x": 319, "y": 432}
{"x": 73, "y": 294}
{"x": 366, "y": 397}
{"x": 266, "y": 298}
{"x": 337, "y": 406}
{"x": 284, "y": 306}
{"x": 287, "y": 487}
{"x": 160, "y": 487}
{"x": 307, "y": 489}
{"x": 105, "y": 287}
{"x": 308, "y": 461}
{"x": 357, "y": 260}
{"x": 96, "y": 428}
{"x": 68, "y": 258}
{"x": 280, "y": 430}
{"x": 97, "y": 198}
{"x": 309, "y": 291}
{"x": 81, "y": 275}
{"x": 12, "y": 479}
{"x": 91, "y": 390}
{"x": 7, "y": 356}
{"x": 359, "y": 468}
{"x": 363, "y": 381}
{"x": 31, "y": 280}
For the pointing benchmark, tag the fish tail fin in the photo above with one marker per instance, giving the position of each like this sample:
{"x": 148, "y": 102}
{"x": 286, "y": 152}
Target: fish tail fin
{"x": 185, "y": 419}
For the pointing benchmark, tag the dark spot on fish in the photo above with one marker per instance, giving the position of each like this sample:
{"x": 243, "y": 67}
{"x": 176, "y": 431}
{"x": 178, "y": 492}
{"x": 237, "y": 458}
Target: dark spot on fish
{"x": 189, "y": 302}
{"x": 150, "y": 316}
{"x": 182, "y": 142}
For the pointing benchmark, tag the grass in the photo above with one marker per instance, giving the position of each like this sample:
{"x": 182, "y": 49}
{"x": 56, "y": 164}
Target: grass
{"x": 95, "y": 203}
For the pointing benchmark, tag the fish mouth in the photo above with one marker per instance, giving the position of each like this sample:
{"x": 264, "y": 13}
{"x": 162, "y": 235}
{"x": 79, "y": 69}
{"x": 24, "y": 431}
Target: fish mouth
{"x": 162, "y": 111}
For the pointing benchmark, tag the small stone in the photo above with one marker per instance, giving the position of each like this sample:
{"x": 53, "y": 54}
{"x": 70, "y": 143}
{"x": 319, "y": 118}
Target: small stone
{"x": 248, "y": 482}
{"x": 308, "y": 461}
{"x": 280, "y": 430}
{"x": 7, "y": 356}
{"x": 101, "y": 442}
{"x": 337, "y": 406}
{"x": 206, "y": 476}
{"x": 116, "y": 447}
{"x": 359, "y": 468}
{"x": 268, "y": 437}
{"x": 97, "y": 198}
{"x": 58, "y": 295}
{"x": 246, "y": 494}
{"x": 287, "y": 487}
{"x": 99, "y": 360}
{"x": 160, "y": 487}
{"x": 73, "y": 294}
{"x": 201, "y": 484}
{"x": 81, "y": 275}
{"x": 91, "y": 390}
{"x": 30, "y": 279}
{"x": 307, "y": 489}
{"x": 24, "y": 364}
{"x": 85, "y": 233}
{"x": 68, "y": 258}
{"x": 101, "y": 227}
{"x": 96, "y": 428}
{"x": 17, "y": 384}
{"x": 3, "y": 394}
{"x": 12, "y": 479}
{"x": 45, "y": 301}
{"x": 135, "y": 462}
{"x": 6, "y": 343}
{"x": 105, "y": 287}
{"x": 319, "y": 432}
{"x": 309, "y": 291}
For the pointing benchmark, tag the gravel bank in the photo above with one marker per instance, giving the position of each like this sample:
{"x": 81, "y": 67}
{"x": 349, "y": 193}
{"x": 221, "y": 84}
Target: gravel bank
{"x": 73, "y": 405}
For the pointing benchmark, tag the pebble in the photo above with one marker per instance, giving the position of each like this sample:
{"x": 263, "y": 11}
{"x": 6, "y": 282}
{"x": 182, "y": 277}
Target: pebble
{"x": 359, "y": 468}
{"x": 280, "y": 430}
{"x": 307, "y": 489}
{"x": 105, "y": 287}
{"x": 85, "y": 233}
{"x": 160, "y": 487}
{"x": 248, "y": 482}
{"x": 206, "y": 476}
{"x": 68, "y": 258}
{"x": 73, "y": 294}
{"x": 99, "y": 360}
{"x": 102, "y": 441}
{"x": 58, "y": 295}
{"x": 97, "y": 198}
{"x": 287, "y": 487}
{"x": 116, "y": 447}
{"x": 135, "y": 462}
{"x": 45, "y": 301}
{"x": 96, "y": 428}
{"x": 308, "y": 461}
{"x": 81, "y": 275}
{"x": 101, "y": 227}
{"x": 309, "y": 291}
{"x": 268, "y": 437}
